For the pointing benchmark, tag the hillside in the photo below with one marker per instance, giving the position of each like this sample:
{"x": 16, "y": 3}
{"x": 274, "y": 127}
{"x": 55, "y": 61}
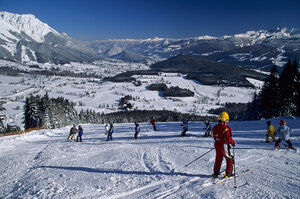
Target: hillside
{"x": 208, "y": 72}
{"x": 129, "y": 57}
{"x": 83, "y": 85}
{"x": 43, "y": 164}
{"x": 255, "y": 49}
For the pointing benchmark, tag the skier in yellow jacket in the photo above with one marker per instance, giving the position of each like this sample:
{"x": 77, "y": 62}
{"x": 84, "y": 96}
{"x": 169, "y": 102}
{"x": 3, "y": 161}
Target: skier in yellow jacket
{"x": 270, "y": 132}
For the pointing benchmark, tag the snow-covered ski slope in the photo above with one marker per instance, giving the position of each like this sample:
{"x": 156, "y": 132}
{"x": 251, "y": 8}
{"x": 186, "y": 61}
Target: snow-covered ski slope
{"x": 43, "y": 164}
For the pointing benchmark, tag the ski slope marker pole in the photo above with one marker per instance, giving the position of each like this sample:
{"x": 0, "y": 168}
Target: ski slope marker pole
{"x": 234, "y": 168}
{"x": 199, "y": 157}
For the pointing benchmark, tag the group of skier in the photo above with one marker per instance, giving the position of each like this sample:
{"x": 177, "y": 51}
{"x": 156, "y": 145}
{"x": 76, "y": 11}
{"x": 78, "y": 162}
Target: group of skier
{"x": 75, "y": 133}
{"x": 109, "y": 129}
{"x": 283, "y": 133}
{"x": 221, "y": 133}
{"x": 185, "y": 128}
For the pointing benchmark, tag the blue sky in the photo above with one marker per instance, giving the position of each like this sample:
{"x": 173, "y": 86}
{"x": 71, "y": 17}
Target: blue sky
{"x": 140, "y": 19}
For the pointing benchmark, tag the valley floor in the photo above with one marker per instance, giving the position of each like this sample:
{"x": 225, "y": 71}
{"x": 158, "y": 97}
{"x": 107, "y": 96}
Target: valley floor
{"x": 43, "y": 164}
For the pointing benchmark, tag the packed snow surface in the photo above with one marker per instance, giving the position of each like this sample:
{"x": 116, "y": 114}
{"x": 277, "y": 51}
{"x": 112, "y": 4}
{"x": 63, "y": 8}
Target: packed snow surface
{"x": 43, "y": 164}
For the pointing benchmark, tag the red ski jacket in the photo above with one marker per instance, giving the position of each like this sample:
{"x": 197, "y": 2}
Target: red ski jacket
{"x": 222, "y": 134}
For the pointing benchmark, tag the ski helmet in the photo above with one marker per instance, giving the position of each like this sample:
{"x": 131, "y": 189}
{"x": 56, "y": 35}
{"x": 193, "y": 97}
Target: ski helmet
{"x": 282, "y": 122}
{"x": 74, "y": 125}
{"x": 268, "y": 123}
{"x": 224, "y": 117}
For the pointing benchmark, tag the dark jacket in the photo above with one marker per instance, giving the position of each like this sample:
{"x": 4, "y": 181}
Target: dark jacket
{"x": 137, "y": 128}
{"x": 73, "y": 130}
{"x": 80, "y": 131}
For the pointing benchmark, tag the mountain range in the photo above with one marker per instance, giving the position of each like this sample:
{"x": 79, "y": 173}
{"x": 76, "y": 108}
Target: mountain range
{"x": 24, "y": 38}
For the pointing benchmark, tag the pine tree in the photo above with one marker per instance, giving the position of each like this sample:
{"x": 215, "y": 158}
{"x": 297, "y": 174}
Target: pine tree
{"x": 45, "y": 111}
{"x": 51, "y": 113}
{"x": 269, "y": 106}
{"x": 253, "y": 108}
{"x": 297, "y": 81}
{"x": 288, "y": 85}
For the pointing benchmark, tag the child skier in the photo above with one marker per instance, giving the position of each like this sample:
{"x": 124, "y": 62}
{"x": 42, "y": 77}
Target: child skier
{"x": 207, "y": 129}
{"x": 80, "y": 133}
{"x": 152, "y": 121}
{"x": 283, "y": 133}
{"x": 222, "y": 135}
{"x": 110, "y": 132}
{"x": 107, "y": 127}
{"x": 137, "y": 130}
{"x": 72, "y": 134}
{"x": 271, "y": 131}
{"x": 185, "y": 127}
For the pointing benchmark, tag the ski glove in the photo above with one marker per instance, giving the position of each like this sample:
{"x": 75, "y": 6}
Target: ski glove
{"x": 233, "y": 144}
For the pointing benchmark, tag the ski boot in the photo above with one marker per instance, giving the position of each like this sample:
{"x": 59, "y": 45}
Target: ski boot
{"x": 291, "y": 147}
{"x": 216, "y": 174}
{"x": 227, "y": 175}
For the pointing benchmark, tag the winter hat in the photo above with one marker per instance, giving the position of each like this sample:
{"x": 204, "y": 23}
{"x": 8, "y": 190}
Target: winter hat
{"x": 282, "y": 122}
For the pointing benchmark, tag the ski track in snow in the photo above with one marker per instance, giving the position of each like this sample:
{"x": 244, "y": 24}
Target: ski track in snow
{"x": 43, "y": 164}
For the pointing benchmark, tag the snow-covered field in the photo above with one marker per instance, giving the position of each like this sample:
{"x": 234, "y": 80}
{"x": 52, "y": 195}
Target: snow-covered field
{"x": 43, "y": 164}
{"x": 104, "y": 97}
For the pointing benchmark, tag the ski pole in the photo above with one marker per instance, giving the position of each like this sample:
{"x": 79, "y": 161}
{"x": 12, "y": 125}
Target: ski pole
{"x": 234, "y": 168}
{"x": 199, "y": 157}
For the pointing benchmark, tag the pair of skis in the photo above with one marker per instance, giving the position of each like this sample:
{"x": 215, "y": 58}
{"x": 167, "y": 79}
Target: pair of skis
{"x": 225, "y": 178}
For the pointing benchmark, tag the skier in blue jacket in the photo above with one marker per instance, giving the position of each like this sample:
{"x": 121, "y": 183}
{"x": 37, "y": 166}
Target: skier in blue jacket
{"x": 80, "y": 133}
{"x": 207, "y": 129}
{"x": 283, "y": 133}
{"x": 137, "y": 130}
{"x": 110, "y": 132}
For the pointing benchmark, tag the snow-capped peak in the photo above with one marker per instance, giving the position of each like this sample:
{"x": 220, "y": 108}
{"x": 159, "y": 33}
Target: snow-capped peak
{"x": 253, "y": 37}
{"x": 205, "y": 37}
{"x": 26, "y": 23}
{"x": 263, "y": 34}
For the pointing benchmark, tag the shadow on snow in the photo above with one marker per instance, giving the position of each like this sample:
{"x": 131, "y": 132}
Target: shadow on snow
{"x": 115, "y": 171}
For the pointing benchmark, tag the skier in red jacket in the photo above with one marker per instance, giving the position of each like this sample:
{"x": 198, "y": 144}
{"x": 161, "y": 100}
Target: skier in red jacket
{"x": 152, "y": 121}
{"x": 222, "y": 135}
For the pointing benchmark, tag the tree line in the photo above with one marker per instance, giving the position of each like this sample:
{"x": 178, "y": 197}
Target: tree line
{"x": 42, "y": 111}
{"x": 279, "y": 96}
{"x": 48, "y": 112}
